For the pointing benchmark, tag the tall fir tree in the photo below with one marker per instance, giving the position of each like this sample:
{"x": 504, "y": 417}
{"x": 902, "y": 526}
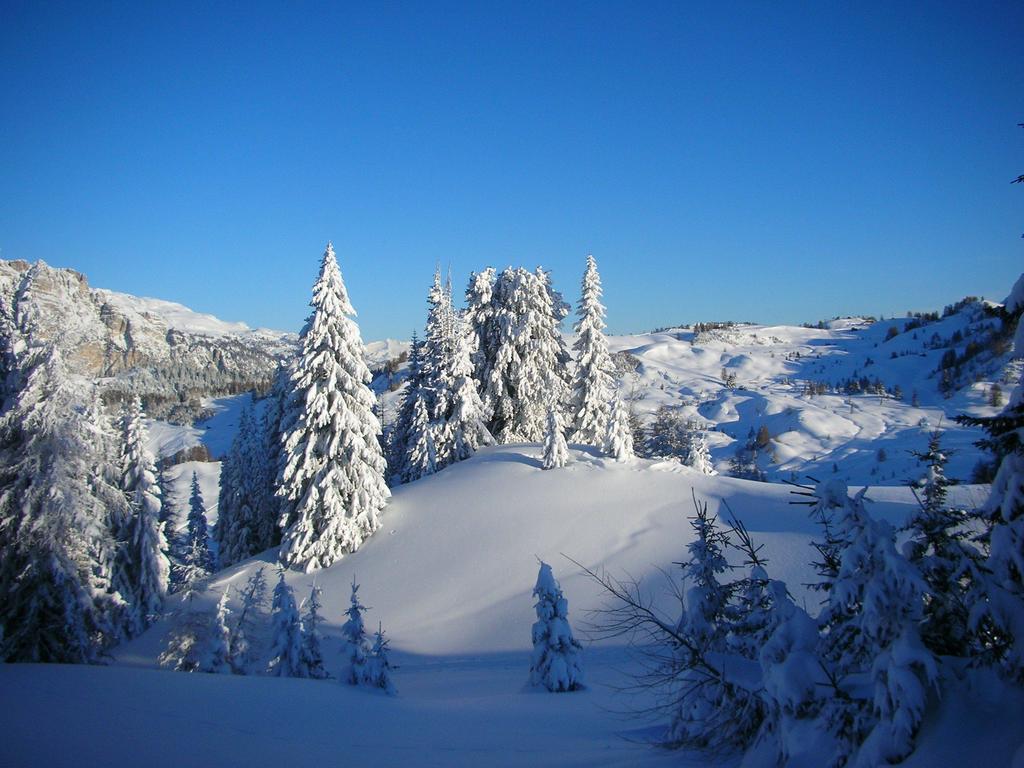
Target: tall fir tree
{"x": 527, "y": 359}
{"x": 399, "y": 444}
{"x": 147, "y": 549}
{"x": 420, "y": 444}
{"x": 465, "y": 429}
{"x": 245, "y": 516}
{"x": 873, "y": 614}
{"x": 480, "y": 325}
{"x": 278, "y": 417}
{"x": 441, "y": 420}
{"x": 58, "y": 601}
{"x": 333, "y": 479}
{"x": 593, "y": 383}
{"x": 939, "y": 545}
{"x": 197, "y": 543}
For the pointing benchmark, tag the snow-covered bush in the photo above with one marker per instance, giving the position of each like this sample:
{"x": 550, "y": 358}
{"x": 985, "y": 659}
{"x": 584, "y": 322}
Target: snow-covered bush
{"x": 556, "y": 452}
{"x": 378, "y": 664}
{"x": 286, "y": 633}
{"x": 557, "y": 657}
{"x": 244, "y": 645}
{"x": 354, "y": 642}
{"x": 311, "y": 658}
{"x": 618, "y": 437}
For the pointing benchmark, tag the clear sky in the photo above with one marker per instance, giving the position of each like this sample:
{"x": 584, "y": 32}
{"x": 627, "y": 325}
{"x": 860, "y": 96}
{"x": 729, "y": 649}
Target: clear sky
{"x": 767, "y": 161}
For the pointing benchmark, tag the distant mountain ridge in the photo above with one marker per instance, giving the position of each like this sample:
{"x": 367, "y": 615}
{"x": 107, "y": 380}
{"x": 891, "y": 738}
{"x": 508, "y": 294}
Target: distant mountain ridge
{"x": 165, "y": 352}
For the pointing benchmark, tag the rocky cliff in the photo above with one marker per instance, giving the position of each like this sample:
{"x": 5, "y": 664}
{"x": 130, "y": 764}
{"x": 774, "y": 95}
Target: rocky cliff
{"x": 162, "y": 351}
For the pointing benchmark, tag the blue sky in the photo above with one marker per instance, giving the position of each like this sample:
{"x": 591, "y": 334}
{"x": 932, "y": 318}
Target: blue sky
{"x": 767, "y": 161}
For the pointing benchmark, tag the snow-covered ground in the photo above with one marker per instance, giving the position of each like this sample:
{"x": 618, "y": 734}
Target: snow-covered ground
{"x": 810, "y": 433}
{"x": 180, "y": 318}
{"x": 450, "y": 577}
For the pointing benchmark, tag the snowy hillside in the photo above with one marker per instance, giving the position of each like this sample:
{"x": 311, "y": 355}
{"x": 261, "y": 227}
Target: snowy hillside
{"x": 629, "y": 518}
{"x": 448, "y": 563}
{"x": 449, "y": 577}
{"x": 835, "y": 432}
{"x": 773, "y": 366}
{"x": 177, "y": 316}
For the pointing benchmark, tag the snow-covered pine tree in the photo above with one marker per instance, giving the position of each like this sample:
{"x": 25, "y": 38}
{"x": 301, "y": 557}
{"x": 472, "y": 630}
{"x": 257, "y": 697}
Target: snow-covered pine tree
{"x": 709, "y": 711}
{"x": 698, "y": 456}
{"x": 593, "y": 383}
{"x": 939, "y": 546}
{"x": 229, "y": 527}
{"x": 791, "y": 675}
{"x": 437, "y": 354}
{"x": 185, "y": 646}
{"x": 148, "y": 565}
{"x": 355, "y": 645}
{"x": 873, "y": 615}
{"x": 556, "y": 452}
{"x": 286, "y": 633}
{"x": 637, "y": 429}
{"x": 480, "y": 326}
{"x": 244, "y": 634}
{"x": 399, "y": 444}
{"x": 168, "y": 514}
{"x": 333, "y": 479}
{"x": 278, "y": 416}
{"x": 106, "y": 485}
{"x": 258, "y": 502}
{"x": 192, "y": 569}
{"x": 58, "y": 602}
{"x": 829, "y": 499}
{"x": 217, "y": 658}
{"x": 557, "y": 662}
{"x": 665, "y": 435}
{"x": 552, "y": 354}
{"x": 751, "y": 607}
{"x": 378, "y": 665}
{"x": 441, "y": 420}
{"x": 527, "y": 372}
{"x": 197, "y": 544}
{"x": 618, "y": 437}
{"x": 421, "y": 447}
{"x": 311, "y": 658}
{"x": 465, "y": 428}
{"x": 243, "y": 513}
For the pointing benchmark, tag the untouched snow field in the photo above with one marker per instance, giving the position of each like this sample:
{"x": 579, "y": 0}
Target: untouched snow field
{"x": 449, "y": 576}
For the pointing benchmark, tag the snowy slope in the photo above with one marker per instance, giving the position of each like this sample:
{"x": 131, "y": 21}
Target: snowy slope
{"x": 450, "y": 576}
{"x": 452, "y": 568}
{"x": 175, "y": 316}
{"x": 810, "y": 433}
